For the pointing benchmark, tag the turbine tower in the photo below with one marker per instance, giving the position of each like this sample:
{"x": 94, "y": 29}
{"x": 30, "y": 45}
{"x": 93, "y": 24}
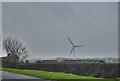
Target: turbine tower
{"x": 73, "y": 48}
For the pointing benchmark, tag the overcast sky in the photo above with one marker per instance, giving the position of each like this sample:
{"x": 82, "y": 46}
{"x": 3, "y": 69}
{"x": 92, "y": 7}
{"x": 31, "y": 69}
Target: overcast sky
{"x": 0, "y": 28}
{"x": 44, "y": 27}
{"x": 60, "y": 0}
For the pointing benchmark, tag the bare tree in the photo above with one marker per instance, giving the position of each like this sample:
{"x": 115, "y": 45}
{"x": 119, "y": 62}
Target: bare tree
{"x": 14, "y": 49}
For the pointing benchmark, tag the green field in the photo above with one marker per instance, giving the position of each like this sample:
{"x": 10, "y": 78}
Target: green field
{"x": 57, "y": 76}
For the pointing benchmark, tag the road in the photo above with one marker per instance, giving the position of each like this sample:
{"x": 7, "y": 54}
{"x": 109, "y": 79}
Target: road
{"x": 7, "y": 76}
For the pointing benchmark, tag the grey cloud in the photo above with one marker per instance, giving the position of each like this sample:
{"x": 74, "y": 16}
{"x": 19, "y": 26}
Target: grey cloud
{"x": 44, "y": 27}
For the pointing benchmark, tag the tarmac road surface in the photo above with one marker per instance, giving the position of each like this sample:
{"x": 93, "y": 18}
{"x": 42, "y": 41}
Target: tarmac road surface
{"x": 7, "y": 76}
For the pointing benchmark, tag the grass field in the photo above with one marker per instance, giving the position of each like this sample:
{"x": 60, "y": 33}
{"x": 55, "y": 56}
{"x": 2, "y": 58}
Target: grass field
{"x": 55, "y": 75}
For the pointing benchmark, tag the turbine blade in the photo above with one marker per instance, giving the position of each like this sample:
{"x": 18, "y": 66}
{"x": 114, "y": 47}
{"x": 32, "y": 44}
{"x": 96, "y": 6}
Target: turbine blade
{"x": 70, "y": 41}
{"x": 72, "y": 50}
{"x": 80, "y": 46}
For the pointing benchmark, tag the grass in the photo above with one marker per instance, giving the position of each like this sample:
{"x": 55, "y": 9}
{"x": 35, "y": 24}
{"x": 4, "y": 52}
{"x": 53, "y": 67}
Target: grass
{"x": 54, "y": 75}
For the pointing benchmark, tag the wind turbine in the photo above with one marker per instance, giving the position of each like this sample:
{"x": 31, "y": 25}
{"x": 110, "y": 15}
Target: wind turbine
{"x": 74, "y": 46}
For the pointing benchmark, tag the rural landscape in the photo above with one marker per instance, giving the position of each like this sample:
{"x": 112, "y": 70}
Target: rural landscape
{"x": 70, "y": 69}
{"x": 60, "y": 42}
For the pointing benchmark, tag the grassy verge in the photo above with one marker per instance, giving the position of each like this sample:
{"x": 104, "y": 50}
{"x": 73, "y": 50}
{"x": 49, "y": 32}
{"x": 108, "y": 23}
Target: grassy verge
{"x": 55, "y": 75}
